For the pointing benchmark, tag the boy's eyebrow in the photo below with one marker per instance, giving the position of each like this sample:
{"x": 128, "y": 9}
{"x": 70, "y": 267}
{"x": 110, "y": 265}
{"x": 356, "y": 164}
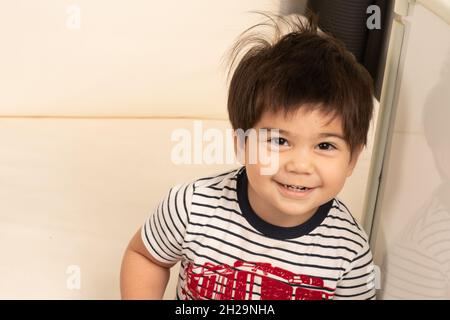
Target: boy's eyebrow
{"x": 331, "y": 134}
{"x": 287, "y": 133}
{"x": 320, "y": 135}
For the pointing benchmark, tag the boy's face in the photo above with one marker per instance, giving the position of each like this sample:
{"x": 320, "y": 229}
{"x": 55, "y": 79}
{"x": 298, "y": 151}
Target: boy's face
{"x": 312, "y": 153}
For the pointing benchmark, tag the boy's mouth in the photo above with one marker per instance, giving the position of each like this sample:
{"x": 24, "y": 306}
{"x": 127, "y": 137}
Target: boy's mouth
{"x": 295, "y": 188}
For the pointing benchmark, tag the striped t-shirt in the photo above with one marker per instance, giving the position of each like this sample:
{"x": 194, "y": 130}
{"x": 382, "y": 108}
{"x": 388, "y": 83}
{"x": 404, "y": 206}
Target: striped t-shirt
{"x": 228, "y": 252}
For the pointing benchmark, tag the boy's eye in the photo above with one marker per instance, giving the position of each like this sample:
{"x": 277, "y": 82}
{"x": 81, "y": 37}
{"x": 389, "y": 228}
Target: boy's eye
{"x": 278, "y": 141}
{"x": 326, "y": 146}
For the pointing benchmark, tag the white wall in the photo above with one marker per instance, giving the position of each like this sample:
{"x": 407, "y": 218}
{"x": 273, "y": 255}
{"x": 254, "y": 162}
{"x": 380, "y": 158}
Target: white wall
{"x": 143, "y": 57}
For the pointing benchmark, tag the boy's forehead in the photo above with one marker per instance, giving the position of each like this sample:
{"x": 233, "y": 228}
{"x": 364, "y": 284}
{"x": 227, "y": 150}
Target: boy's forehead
{"x": 312, "y": 117}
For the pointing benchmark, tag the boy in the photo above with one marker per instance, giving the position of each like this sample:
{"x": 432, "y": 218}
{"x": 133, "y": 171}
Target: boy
{"x": 249, "y": 234}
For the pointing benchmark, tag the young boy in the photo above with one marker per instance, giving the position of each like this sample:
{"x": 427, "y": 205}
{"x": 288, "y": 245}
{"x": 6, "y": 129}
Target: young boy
{"x": 250, "y": 234}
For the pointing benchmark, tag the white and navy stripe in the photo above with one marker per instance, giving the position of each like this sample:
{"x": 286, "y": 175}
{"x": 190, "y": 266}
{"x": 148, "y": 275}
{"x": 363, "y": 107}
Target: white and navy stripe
{"x": 211, "y": 221}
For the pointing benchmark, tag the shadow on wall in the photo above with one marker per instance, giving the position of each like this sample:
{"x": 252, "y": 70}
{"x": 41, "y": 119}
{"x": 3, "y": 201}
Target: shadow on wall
{"x": 417, "y": 264}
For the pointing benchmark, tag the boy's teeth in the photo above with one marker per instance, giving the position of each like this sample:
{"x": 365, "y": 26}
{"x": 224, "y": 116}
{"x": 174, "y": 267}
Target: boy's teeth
{"x": 295, "y": 187}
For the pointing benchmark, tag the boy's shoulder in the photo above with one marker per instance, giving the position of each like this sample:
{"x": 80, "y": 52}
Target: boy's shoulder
{"x": 340, "y": 217}
{"x": 219, "y": 181}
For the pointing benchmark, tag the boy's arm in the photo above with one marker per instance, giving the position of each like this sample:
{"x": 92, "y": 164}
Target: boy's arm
{"x": 358, "y": 282}
{"x": 141, "y": 276}
{"x": 157, "y": 246}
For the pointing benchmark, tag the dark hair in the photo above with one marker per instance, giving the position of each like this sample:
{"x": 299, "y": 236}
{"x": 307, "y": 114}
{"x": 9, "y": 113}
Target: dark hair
{"x": 304, "y": 68}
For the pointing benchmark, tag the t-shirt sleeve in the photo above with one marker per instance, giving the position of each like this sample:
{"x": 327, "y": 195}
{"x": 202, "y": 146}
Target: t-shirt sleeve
{"x": 358, "y": 281}
{"x": 164, "y": 230}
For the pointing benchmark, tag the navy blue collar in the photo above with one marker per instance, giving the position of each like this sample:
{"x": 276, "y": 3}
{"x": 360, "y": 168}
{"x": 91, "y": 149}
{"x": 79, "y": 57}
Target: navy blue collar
{"x": 269, "y": 229}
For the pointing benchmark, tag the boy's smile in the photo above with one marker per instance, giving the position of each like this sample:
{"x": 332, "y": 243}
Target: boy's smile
{"x": 295, "y": 192}
{"x": 314, "y": 161}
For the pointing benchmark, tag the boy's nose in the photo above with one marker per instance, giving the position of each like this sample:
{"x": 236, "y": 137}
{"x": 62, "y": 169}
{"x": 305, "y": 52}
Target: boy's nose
{"x": 301, "y": 163}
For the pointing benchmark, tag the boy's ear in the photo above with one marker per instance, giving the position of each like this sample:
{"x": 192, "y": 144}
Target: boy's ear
{"x": 354, "y": 159}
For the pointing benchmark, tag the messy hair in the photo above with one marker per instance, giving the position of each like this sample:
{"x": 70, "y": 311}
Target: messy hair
{"x": 300, "y": 68}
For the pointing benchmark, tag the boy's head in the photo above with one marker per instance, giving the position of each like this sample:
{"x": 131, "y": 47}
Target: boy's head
{"x": 303, "y": 68}
{"x": 312, "y": 90}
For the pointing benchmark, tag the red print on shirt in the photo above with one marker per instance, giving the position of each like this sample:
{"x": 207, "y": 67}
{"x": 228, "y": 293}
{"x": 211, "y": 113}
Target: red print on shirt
{"x": 223, "y": 282}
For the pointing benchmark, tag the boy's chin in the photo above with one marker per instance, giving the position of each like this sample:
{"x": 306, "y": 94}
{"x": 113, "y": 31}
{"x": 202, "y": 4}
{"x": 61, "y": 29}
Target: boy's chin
{"x": 299, "y": 211}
